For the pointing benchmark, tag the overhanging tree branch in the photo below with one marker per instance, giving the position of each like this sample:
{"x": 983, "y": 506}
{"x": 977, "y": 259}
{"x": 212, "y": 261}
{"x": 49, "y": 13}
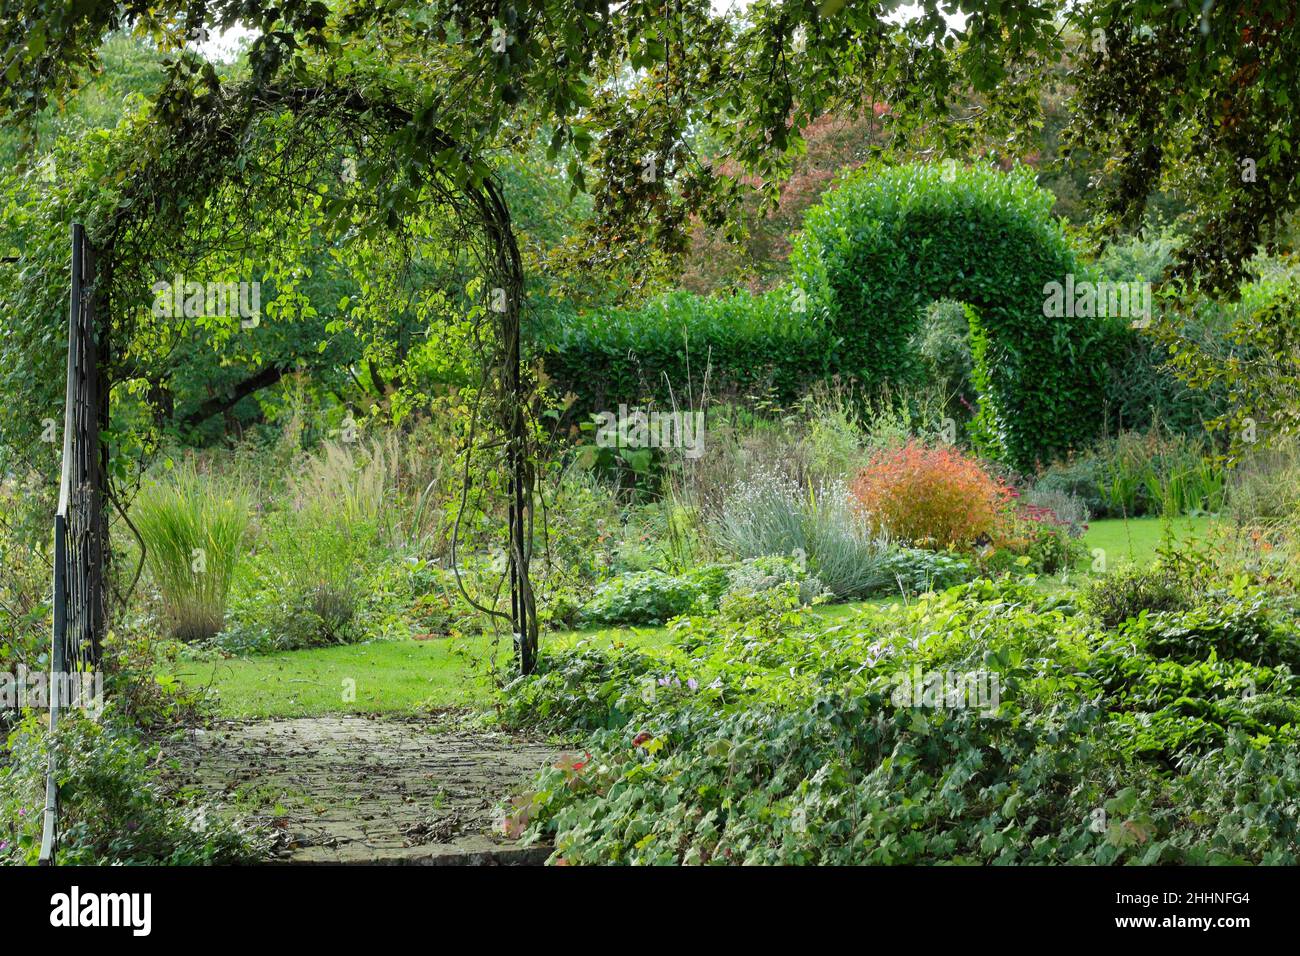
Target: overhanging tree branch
{"x": 222, "y": 403}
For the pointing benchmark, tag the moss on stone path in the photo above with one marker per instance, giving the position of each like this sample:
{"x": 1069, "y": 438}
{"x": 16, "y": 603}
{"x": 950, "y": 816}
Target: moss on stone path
{"x": 350, "y": 789}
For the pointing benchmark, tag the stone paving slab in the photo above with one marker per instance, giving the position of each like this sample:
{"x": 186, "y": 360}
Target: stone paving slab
{"x": 354, "y": 789}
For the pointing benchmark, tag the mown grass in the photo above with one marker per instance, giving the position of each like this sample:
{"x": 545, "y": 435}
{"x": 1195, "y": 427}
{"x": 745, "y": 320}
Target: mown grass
{"x": 407, "y": 676}
{"x": 1137, "y": 539}
{"x": 382, "y": 676}
{"x": 387, "y": 676}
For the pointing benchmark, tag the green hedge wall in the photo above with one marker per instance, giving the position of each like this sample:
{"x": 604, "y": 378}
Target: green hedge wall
{"x": 885, "y": 243}
{"x": 890, "y": 240}
{"x": 744, "y": 344}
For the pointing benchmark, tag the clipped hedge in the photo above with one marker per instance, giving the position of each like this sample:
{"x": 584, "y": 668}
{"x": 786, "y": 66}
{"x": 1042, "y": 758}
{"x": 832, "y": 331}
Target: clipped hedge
{"x": 890, "y": 240}
{"x": 742, "y": 344}
{"x": 882, "y": 246}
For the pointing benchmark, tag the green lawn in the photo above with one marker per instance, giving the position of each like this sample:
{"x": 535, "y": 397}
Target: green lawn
{"x": 1136, "y": 539}
{"x": 387, "y": 675}
{"x": 383, "y": 676}
{"x": 406, "y": 676}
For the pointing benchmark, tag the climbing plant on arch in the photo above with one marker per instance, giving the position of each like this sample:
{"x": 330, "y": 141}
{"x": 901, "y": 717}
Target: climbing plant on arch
{"x": 229, "y": 180}
{"x": 890, "y": 240}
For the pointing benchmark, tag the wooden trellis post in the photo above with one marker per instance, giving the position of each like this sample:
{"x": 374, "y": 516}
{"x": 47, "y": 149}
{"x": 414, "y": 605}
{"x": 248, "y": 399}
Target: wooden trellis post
{"x": 80, "y": 522}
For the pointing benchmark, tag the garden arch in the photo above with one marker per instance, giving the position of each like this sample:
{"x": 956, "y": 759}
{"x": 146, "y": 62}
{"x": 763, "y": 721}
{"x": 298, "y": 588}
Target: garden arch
{"x": 890, "y": 240}
{"x": 201, "y": 144}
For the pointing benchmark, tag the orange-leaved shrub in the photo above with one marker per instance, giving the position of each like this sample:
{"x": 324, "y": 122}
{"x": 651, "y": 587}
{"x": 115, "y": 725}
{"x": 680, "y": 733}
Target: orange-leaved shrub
{"x": 932, "y": 497}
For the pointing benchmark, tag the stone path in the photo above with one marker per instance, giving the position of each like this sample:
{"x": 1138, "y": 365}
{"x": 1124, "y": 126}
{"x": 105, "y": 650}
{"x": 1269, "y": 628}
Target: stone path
{"x": 350, "y": 789}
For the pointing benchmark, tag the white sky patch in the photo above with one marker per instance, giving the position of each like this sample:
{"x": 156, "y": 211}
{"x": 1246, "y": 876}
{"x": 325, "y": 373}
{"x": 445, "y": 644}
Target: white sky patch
{"x": 904, "y": 12}
{"x": 225, "y": 45}
{"x": 910, "y": 11}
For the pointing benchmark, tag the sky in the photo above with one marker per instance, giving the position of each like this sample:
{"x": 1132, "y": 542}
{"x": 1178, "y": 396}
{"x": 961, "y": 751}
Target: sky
{"x": 224, "y": 45}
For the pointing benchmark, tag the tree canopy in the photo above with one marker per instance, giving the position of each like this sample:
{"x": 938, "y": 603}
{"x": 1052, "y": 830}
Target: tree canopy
{"x": 1187, "y": 97}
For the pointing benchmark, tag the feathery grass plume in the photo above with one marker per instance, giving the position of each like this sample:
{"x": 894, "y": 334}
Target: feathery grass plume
{"x": 193, "y": 529}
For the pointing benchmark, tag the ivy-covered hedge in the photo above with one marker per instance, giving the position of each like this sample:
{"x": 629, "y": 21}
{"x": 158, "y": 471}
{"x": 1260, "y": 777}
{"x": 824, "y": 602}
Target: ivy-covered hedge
{"x": 890, "y": 240}
{"x": 741, "y": 344}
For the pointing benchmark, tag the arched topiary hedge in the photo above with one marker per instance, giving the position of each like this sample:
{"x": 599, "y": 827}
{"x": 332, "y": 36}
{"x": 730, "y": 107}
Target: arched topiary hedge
{"x": 890, "y": 240}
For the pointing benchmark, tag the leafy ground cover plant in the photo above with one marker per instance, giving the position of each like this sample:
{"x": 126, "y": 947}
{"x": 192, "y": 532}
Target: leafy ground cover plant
{"x": 782, "y": 740}
{"x": 648, "y": 597}
{"x": 759, "y": 575}
{"x": 916, "y": 571}
{"x": 1240, "y": 622}
{"x": 114, "y": 810}
{"x": 653, "y": 597}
